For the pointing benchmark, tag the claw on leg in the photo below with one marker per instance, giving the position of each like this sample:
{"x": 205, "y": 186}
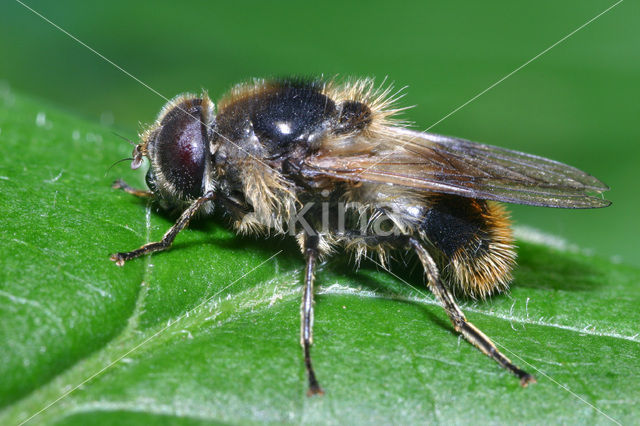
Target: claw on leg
{"x": 118, "y": 258}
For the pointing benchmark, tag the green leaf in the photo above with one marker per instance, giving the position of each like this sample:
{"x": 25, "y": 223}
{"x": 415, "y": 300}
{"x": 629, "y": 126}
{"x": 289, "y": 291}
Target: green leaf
{"x": 208, "y": 331}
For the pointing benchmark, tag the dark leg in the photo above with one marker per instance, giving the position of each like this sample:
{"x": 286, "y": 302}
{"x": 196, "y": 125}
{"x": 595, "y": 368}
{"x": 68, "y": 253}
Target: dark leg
{"x": 120, "y": 184}
{"x": 168, "y": 238}
{"x": 306, "y": 313}
{"x": 460, "y": 323}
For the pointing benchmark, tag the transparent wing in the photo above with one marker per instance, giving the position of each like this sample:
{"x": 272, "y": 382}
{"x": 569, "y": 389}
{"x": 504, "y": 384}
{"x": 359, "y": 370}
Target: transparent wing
{"x": 434, "y": 163}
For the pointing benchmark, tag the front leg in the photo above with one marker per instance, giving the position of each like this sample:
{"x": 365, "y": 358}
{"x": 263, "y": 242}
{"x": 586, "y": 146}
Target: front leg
{"x": 306, "y": 311}
{"x": 141, "y": 193}
{"x": 168, "y": 238}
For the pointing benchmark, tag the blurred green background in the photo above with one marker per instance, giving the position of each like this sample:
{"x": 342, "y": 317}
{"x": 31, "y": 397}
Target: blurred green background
{"x": 578, "y": 103}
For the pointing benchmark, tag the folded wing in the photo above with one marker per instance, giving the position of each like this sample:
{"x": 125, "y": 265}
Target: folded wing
{"x": 433, "y": 163}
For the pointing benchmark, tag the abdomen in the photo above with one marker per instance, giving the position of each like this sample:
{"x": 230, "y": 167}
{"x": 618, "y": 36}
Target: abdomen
{"x": 474, "y": 243}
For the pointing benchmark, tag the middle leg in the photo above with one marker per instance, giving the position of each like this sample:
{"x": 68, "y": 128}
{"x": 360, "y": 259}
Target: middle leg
{"x": 306, "y": 312}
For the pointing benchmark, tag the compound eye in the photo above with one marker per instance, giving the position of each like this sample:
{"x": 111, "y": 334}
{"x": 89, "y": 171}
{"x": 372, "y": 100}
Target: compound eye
{"x": 180, "y": 147}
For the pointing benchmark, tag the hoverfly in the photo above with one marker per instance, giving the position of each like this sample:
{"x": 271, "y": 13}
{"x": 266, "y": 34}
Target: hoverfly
{"x": 330, "y": 164}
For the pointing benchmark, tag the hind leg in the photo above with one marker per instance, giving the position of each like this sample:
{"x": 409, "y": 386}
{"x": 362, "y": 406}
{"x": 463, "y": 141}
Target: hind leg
{"x": 460, "y": 323}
